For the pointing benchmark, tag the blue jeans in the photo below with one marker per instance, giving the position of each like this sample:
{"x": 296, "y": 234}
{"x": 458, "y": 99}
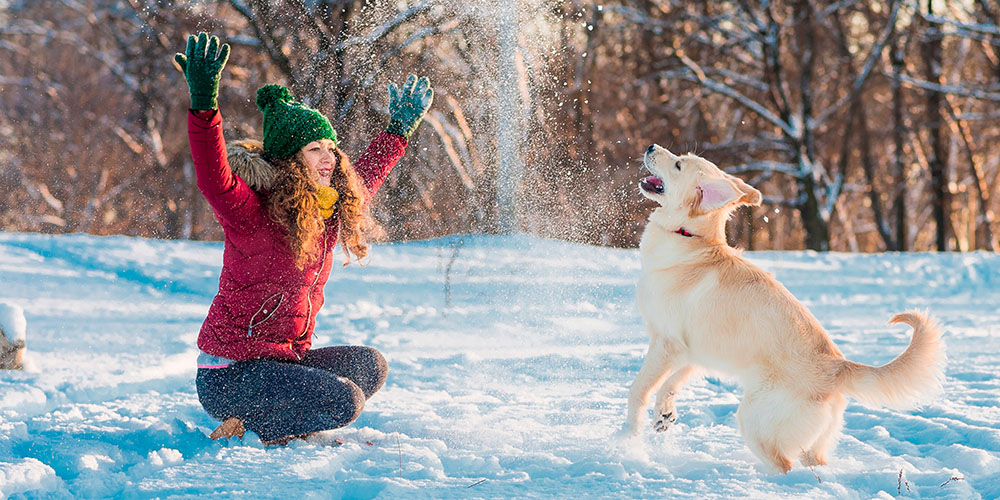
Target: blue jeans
{"x": 327, "y": 389}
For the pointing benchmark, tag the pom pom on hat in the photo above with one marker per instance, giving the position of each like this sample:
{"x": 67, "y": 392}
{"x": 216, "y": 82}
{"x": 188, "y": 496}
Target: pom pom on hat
{"x": 270, "y": 94}
{"x": 288, "y": 124}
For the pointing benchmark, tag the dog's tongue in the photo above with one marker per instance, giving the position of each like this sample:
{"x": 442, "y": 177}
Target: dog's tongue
{"x": 652, "y": 183}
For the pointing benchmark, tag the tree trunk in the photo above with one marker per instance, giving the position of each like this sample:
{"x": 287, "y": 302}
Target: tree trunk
{"x": 815, "y": 221}
{"x": 931, "y": 50}
{"x": 869, "y": 167}
{"x": 817, "y": 229}
{"x": 897, "y": 58}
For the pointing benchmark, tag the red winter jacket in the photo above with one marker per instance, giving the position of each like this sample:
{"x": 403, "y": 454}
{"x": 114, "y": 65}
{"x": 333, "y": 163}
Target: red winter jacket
{"x": 266, "y": 307}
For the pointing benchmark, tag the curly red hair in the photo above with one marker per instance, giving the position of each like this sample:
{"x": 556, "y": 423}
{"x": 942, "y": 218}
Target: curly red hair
{"x": 292, "y": 203}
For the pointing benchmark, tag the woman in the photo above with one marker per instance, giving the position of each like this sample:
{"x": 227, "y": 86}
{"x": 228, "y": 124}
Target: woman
{"x": 282, "y": 204}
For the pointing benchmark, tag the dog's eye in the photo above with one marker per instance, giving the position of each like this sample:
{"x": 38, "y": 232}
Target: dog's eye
{"x": 677, "y": 165}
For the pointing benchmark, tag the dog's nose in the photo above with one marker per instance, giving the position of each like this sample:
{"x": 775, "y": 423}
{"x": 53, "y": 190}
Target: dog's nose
{"x": 652, "y": 147}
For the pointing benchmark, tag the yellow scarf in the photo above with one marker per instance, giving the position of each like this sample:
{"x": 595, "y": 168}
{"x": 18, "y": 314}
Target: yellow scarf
{"x": 327, "y": 198}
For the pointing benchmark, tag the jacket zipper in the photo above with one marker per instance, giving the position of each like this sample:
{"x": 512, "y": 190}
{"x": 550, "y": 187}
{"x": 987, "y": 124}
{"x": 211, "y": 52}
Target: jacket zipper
{"x": 322, "y": 262}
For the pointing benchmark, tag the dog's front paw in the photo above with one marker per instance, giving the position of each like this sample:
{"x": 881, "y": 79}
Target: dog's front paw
{"x": 665, "y": 420}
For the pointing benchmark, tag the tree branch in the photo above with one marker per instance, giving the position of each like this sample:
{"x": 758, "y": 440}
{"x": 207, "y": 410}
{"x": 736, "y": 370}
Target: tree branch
{"x": 434, "y": 120}
{"x": 696, "y": 75}
{"x": 866, "y": 70}
{"x": 983, "y": 29}
{"x": 385, "y": 29}
{"x": 766, "y": 166}
{"x": 269, "y": 43}
{"x": 949, "y": 89}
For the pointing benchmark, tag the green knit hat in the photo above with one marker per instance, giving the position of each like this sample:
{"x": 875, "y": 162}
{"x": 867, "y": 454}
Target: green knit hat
{"x": 288, "y": 124}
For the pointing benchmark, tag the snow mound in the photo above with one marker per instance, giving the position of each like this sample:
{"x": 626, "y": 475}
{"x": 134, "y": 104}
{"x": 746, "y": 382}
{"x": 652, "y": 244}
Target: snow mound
{"x": 12, "y": 321}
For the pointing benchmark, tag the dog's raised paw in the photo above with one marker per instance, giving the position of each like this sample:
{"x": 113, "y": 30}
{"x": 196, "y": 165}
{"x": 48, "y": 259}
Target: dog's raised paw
{"x": 664, "y": 421}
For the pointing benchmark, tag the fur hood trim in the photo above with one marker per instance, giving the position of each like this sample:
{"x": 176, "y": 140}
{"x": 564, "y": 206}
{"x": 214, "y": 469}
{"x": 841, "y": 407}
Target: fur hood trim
{"x": 246, "y": 158}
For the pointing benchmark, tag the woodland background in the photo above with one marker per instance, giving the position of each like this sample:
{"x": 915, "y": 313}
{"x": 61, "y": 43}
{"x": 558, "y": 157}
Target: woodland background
{"x": 868, "y": 125}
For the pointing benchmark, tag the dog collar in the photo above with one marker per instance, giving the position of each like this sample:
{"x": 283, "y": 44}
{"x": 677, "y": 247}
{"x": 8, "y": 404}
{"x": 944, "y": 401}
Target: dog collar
{"x": 683, "y": 232}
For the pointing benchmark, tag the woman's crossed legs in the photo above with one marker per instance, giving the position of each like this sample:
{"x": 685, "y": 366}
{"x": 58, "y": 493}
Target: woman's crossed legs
{"x": 280, "y": 399}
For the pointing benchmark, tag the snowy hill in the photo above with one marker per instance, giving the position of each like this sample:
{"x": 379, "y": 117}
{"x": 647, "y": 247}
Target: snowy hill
{"x": 510, "y": 360}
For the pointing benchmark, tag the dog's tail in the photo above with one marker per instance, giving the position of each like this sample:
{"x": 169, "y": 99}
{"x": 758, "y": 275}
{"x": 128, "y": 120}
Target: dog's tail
{"x": 914, "y": 375}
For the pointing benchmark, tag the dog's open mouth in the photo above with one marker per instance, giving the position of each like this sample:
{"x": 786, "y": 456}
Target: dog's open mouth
{"x": 652, "y": 184}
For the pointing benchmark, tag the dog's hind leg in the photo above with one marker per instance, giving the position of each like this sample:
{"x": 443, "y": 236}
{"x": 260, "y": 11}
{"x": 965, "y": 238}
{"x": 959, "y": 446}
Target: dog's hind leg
{"x": 777, "y": 424}
{"x": 817, "y": 453}
{"x": 658, "y": 364}
{"x": 758, "y": 432}
{"x": 665, "y": 410}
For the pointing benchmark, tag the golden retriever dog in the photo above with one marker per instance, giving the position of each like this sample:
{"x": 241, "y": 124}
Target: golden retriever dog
{"x": 706, "y": 307}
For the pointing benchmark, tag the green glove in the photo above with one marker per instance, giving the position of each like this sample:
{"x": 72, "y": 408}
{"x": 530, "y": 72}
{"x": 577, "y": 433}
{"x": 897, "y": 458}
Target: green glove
{"x": 408, "y": 106}
{"x": 202, "y": 65}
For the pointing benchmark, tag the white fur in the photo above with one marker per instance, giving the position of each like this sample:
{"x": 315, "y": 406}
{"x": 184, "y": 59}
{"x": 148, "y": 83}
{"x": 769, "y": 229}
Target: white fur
{"x": 705, "y": 307}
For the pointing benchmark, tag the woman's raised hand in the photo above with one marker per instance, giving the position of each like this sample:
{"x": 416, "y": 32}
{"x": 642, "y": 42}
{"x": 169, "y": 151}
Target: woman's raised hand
{"x": 202, "y": 63}
{"x": 409, "y": 105}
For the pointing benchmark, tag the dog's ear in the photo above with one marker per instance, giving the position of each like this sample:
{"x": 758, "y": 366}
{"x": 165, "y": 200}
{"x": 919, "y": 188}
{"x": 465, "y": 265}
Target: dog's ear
{"x": 714, "y": 194}
{"x": 750, "y": 194}
{"x": 717, "y": 193}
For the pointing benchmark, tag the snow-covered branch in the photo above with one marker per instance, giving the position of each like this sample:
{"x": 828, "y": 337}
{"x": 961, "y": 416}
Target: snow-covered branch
{"x": 766, "y": 166}
{"x": 695, "y": 74}
{"x": 270, "y": 44}
{"x": 367, "y": 80}
{"x": 384, "y": 29}
{"x": 784, "y": 202}
{"x": 961, "y": 27}
{"x": 959, "y": 90}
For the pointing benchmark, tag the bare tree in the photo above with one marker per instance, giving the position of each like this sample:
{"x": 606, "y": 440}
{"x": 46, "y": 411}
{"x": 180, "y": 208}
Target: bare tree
{"x": 868, "y": 125}
{"x": 898, "y": 59}
{"x": 931, "y": 48}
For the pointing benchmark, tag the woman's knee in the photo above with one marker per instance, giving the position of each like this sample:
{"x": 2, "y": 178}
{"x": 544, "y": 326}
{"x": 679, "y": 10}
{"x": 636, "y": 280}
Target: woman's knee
{"x": 356, "y": 403}
{"x": 342, "y": 406}
{"x": 381, "y": 366}
{"x": 372, "y": 368}
{"x": 363, "y": 365}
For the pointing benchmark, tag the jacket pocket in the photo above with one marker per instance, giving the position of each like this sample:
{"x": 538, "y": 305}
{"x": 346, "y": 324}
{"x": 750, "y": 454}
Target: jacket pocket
{"x": 265, "y": 311}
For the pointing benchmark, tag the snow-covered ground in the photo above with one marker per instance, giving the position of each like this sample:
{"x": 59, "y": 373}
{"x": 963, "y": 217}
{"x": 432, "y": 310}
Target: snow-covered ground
{"x": 510, "y": 359}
